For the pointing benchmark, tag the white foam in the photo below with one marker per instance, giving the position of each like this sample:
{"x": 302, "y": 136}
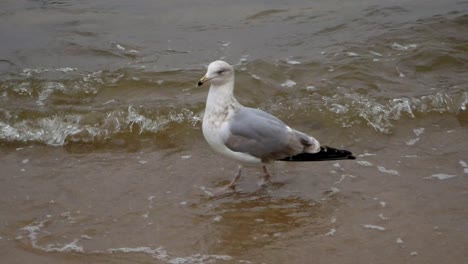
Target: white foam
{"x": 243, "y": 58}
{"x": 66, "y": 69}
{"x": 66, "y": 215}
{"x": 330, "y": 192}
{"x": 145, "y": 124}
{"x": 293, "y": 62}
{"x": 338, "y": 108}
{"x": 198, "y": 258}
{"x": 411, "y": 142}
{"x": 288, "y": 83}
{"x": 311, "y": 88}
{"x": 70, "y": 247}
{"x": 389, "y": 171}
{"x": 399, "y": 241}
{"x": 441, "y": 176}
{"x": 184, "y": 157}
{"x": 23, "y": 88}
{"x": 463, "y": 164}
{"x": 33, "y": 231}
{"x": 375, "y": 53}
{"x": 400, "y": 74}
{"x": 364, "y": 163}
{"x": 256, "y": 77}
{"x": 375, "y": 227}
{"x": 381, "y": 216}
{"x": 366, "y": 154}
{"x": 28, "y": 72}
{"x": 381, "y": 115}
{"x": 331, "y": 232}
{"x": 418, "y": 131}
{"x": 217, "y": 218}
{"x": 344, "y": 176}
{"x": 111, "y": 101}
{"x": 51, "y": 130}
{"x": 225, "y": 43}
{"x": 279, "y": 234}
{"x": 333, "y": 190}
{"x": 383, "y": 204}
{"x": 118, "y": 46}
{"x": 337, "y": 165}
{"x": 401, "y": 47}
{"x": 47, "y": 90}
{"x": 352, "y": 54}
{"x": 158, "y": 253}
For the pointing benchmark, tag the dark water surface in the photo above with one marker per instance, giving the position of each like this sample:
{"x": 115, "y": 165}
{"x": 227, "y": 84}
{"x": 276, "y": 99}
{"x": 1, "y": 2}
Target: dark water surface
{"x": 103, "y": 159}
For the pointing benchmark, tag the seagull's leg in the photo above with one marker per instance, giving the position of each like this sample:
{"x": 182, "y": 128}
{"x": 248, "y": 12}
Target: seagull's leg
{"x": 232, "y": 185}
{"x": 267, "y": 174}
{"x": 265, "y": 178}
{"x": 226, "y": 189}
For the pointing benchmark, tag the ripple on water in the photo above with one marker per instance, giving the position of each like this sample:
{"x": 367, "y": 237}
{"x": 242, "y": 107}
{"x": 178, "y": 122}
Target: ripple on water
{"x": 34, "y": 233}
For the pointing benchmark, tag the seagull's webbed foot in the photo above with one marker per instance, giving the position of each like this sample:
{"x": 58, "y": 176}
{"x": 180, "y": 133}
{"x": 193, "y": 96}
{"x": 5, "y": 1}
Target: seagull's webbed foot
{"x": 218, "y": 191}
{"x": 231, "y": 187}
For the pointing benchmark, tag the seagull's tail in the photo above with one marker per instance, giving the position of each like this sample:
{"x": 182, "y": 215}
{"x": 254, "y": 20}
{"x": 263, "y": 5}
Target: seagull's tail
{"x": 325, "y": 153}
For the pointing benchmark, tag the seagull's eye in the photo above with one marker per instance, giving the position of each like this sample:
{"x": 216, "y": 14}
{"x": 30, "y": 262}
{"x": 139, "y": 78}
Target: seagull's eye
{"x": 220, "y": 71}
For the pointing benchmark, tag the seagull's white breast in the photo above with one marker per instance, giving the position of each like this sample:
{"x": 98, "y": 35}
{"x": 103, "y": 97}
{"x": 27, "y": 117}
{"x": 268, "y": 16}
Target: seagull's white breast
{"x": 216, "y": 130}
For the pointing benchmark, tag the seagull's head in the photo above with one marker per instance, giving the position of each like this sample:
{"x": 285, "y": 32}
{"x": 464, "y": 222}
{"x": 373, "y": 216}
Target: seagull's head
{"x": 218, "y": 73}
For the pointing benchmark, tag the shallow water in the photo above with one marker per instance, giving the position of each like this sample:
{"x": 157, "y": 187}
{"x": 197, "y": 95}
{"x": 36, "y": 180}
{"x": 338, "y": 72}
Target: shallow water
{"x": 103, "y": 159}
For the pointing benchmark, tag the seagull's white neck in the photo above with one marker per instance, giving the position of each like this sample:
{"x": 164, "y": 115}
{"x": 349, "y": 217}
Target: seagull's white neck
{"x": 221, "y": 96}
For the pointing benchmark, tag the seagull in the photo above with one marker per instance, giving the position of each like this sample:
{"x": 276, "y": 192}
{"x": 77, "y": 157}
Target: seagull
{"x": 252, "y": 136}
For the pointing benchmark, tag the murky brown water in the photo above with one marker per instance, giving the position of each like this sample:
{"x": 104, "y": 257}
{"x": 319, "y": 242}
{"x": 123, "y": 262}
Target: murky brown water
{"x": 103, "y": 159}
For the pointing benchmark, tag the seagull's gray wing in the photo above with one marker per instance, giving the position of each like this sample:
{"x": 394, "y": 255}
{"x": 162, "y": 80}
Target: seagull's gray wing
{"x": 264, "y": 136}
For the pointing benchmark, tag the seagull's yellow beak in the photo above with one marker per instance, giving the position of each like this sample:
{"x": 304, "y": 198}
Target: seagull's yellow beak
{"x": 202, "y": 81}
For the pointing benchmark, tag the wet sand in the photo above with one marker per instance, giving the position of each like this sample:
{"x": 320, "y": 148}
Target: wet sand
{"x": 149, "y": 206}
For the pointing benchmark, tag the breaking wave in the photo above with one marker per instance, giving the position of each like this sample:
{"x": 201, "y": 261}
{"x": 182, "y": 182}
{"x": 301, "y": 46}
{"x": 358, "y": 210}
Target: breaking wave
{"x": 382, "y": 115}
{"x": 63, "y": 106}
{"x": 61, "y": 129}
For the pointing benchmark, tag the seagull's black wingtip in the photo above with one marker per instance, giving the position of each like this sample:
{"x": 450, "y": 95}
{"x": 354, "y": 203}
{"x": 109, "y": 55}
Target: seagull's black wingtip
{"x": 325, "y": 153}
